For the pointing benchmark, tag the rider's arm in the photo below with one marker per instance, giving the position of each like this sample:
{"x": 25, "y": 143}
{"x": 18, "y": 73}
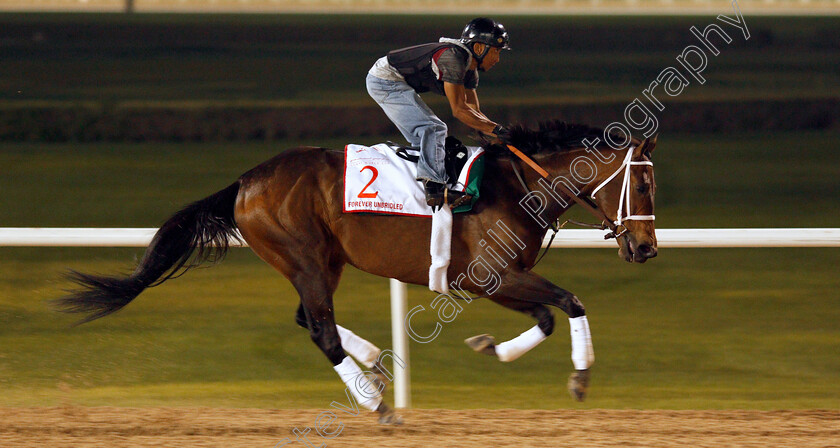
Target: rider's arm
{"x": 472, "y": 98}
{"x": 464, "y": 111}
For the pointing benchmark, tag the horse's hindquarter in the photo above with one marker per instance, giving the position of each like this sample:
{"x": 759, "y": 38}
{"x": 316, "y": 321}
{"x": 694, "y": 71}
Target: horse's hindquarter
{"x": 280, "y": 210}
{"x": 292, "y": 204}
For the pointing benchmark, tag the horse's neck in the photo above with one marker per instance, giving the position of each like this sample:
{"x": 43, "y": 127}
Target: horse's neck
{"x": 511, "y": 192}
{"x": 560, "y": 166}
{"x": 605, "y": 164}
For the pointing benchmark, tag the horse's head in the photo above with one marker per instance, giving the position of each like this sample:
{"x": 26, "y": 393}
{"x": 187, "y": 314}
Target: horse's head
{"x": 621, "y": 183}
{"x": 626, "y": 197}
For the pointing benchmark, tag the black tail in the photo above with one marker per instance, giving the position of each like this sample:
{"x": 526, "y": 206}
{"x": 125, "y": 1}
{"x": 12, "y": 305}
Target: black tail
{"x": 199, "y": 233}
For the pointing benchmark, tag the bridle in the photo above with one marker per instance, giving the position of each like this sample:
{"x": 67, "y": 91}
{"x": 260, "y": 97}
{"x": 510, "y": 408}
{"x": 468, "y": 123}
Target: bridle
{"x": 624, "y": 213}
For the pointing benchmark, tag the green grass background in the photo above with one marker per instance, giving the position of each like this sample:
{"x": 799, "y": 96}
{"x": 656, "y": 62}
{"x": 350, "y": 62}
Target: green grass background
{"x": 694, "y": 328}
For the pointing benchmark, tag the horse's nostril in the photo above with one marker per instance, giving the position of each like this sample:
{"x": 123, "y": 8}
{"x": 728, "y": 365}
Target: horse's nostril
{"x": 647, "y": 251}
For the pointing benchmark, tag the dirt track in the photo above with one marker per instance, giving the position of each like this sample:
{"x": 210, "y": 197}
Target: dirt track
{"x": 257, "y": 428}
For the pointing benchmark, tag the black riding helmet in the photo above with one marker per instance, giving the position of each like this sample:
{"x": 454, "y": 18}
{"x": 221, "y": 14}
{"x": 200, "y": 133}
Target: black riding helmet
{"x": 485, "y": 31}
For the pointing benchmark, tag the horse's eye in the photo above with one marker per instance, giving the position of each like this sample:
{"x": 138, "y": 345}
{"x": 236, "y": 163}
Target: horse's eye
{"x": 642, "y": 188}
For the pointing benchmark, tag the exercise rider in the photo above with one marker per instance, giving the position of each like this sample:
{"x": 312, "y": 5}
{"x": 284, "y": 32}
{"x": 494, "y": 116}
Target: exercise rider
{"x": 449, "y": 67}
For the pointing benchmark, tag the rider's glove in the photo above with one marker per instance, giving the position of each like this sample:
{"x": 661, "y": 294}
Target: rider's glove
{"x": 502, "y": 132}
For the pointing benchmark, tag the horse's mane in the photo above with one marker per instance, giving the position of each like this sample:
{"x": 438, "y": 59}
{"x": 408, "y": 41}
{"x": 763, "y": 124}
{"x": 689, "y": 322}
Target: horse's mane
{"x": 551, "y": 136}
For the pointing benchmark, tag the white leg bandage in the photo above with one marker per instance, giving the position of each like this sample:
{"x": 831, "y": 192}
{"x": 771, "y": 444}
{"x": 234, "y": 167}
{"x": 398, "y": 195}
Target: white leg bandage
{"x": 582, "y": 353}
{"x": 365, "y": 352}
{"x": 440, "y": 249}
{"x": 518, "y": 346}
{"x": 362, "y": 389}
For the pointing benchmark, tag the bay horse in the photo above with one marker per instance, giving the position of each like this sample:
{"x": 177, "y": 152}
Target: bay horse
{"x": 289, "y": 211}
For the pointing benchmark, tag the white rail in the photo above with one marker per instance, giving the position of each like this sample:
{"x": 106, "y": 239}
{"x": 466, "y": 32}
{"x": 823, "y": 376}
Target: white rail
{"x": 781, "y": 237}
{"x": 569, "y": 238}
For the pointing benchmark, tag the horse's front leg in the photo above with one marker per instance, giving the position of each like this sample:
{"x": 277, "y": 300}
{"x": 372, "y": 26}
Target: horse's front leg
{"x": 510, "y": 350}
{"x": 528, "y": 293}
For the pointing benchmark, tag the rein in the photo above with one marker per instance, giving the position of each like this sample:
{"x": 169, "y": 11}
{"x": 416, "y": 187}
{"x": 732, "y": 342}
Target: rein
{"x": 554, "y": 226}
{"x": 586, "y": 203}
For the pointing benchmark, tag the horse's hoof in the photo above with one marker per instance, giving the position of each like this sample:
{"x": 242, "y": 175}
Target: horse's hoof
{"x": 381, "y": 380}
{"x": 579, "y": 384}
{"x": 483, "y": 343}
{"x": 388, "y": 416}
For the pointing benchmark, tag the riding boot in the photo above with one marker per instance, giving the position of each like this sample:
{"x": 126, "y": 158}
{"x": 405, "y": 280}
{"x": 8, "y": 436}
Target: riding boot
{"x": 434, "y": 193}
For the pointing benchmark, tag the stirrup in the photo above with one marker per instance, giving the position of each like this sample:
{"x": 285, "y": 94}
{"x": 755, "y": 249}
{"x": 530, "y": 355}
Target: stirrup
{"x": 454, "y": 198}
{"x": 438, "y": 195}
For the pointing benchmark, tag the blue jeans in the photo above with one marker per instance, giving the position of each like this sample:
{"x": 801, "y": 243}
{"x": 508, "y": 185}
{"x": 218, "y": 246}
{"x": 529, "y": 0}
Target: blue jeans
{"x": 417, "y": 123}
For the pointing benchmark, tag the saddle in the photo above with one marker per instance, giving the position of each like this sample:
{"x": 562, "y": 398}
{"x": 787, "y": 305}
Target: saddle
{"x": 382, "y": 179}
{"x": 456, "y": 155}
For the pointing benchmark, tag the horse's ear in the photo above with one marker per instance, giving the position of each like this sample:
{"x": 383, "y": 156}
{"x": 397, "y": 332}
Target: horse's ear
{"x": 640, "y": 149}
{"x": 645, "y": 148}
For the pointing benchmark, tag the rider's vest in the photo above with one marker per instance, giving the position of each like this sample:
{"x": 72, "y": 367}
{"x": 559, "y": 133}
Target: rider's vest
{"x": 415, "y": 64}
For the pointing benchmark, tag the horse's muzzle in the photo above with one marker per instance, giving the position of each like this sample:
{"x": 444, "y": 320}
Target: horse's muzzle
{"x": 646, "y": 251}
{"x": 636, "y": 254}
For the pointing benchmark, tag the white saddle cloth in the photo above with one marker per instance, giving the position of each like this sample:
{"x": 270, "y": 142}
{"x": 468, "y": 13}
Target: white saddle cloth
{"x": 377, "y": 180}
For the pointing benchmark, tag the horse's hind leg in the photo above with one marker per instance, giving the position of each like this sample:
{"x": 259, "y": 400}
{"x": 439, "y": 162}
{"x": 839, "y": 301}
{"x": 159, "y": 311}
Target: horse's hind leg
{"x": 318, "y": 309}
{"x": 315, "y": 274}
{"x": 363, "y": 350}
{"x": 359, "y": 348}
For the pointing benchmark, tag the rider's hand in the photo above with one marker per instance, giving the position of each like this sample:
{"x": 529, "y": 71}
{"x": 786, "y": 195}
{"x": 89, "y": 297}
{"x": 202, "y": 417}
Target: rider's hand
{"x": 501, "y": 132}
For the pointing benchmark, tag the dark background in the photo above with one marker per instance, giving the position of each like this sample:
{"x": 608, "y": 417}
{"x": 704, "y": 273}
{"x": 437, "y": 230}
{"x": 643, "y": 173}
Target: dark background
{"x": 116, "y": 77}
